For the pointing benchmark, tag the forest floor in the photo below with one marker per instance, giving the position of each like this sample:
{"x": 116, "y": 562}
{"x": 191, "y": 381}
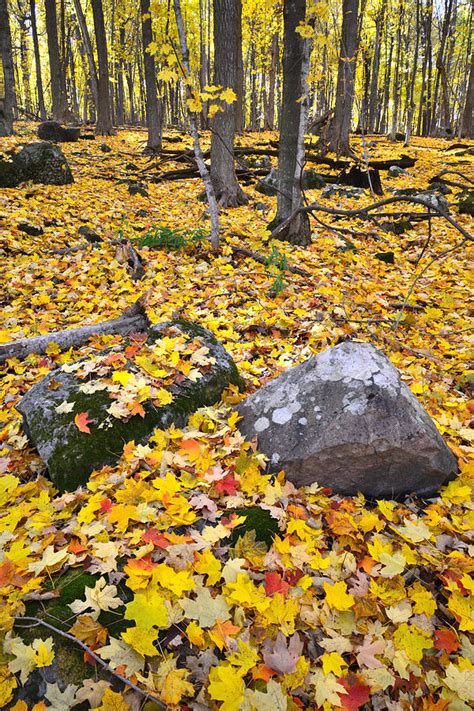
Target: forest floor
{"x": 373, "y": 599}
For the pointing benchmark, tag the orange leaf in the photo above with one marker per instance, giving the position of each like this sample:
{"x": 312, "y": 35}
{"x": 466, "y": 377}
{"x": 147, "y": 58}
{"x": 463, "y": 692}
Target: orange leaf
{"x": 446, "y": 640}
{"x": 262, "y": 672}
{"x": 81, "y": 421}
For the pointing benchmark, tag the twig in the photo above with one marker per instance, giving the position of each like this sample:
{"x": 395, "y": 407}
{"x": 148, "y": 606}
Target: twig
{"x": 36, "y": 621}
{"x": 264, "y": 260}
{"x": 423, "y": 271}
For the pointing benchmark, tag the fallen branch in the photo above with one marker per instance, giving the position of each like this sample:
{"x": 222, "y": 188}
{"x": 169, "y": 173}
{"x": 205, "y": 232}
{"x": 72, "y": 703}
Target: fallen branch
{"x": 264, "y": 260}
{"x": 364, "y": 211}
{"x": 436, "y": 258}
{"x": 132, "y": 320}
{"x": 34, "y": 621}
{"x": 447, "y": 171}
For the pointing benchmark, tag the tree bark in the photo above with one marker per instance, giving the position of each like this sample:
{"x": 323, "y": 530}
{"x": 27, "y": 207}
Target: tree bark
{"x": 39, "y": 78}
{"x": 87, "y": 44}
{"x": 7, "y": 76}
{"x": 206, "y": 178}
{"x": 467, "y": 125}
{"x": 340, "y": 126}
{"x": 396, "y": 78}
{"x": 104, "y": 121}
{"x": 374, "y": 79}
{"x": 293, "y": 114}
{"x": 153, "y": 107}
{"x": 58, "y": 80}
{"x": 240, "y": 87}
{"x": 227, "y": 189}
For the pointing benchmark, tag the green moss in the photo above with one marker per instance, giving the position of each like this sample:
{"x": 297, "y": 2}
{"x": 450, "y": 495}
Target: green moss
{"x": 258, "y": 520}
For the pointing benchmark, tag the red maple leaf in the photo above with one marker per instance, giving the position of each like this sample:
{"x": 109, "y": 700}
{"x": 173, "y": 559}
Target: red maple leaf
{"x": 275, "y": 584}
{"x": 357, "y": 694}
{"x": 228, "y": 485}
{"x": 81, "y": 421}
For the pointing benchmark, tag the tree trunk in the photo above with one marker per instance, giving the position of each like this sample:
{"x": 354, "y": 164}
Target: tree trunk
{"x": 374, "y": 79}
{"x": 119, "y": 68}
{"x": 340, "y": 126}
{"x": 411, "y": 88}
{"x": 39, "y": 78}
{"x": 206, "y": 179}
{"x": 153, "y": 107}
{"x": 204, "y": 59}
{"x": 104, "y": 122}
{"x": 58, "y": 81}
{"x": 87, "y": 45}
{"x": 270, "y": 114}
{"x": 396, "y": 78}
{"x": 227, "y": 190}
{"x": 7, "y": 77}
{"x": 25, "y": 61}
{"x": 239, "y": 85}
{"x": 293, "y": 115}
{"x": 467, "y": 125}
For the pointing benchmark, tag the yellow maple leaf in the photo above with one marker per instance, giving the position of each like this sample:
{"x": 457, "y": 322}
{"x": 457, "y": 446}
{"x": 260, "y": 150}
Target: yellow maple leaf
{"x": 228, "y": 95}
{"x": 226, "y": 685}
{"x": 44, "y": 653}
{"x": 177, "y": 581}
{"x": 112, "y": 701}
{"x": 163, "y": 397}
{"x": 8, "y": 684}
{"x": 147, "y": 609}
{"x": 207, "y": 564}
{"x": 194, "y": 103}
{"x": 306, "y": 31}
{"x": 412, "y": 641}
{"x": 337, "y": 596}
{"x": 141, "y": 640}
{"x": 195, "y": 634}
{"x": 175, "y": 686}
{"x": 333, "y": 662}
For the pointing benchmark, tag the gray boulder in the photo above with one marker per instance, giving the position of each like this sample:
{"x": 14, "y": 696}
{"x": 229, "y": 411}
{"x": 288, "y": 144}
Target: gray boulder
{"x": 89, "y": 386}
{"x": 345, "y": 420}
{"x": 39, "y": 162}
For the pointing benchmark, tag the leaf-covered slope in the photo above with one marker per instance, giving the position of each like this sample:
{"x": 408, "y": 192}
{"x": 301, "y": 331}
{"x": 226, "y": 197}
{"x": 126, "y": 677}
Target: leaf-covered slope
{"x": 346, "y": 602}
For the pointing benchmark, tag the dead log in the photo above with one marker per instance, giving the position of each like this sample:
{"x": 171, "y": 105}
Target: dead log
{"x": 133, "y": 320}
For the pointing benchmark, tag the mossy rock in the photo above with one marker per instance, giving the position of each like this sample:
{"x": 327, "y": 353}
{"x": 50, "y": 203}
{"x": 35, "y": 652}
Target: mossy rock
{"x": 258, "y": 520}
{"x": 39, "y": 162}
{"x": 71, "y": 455}
{"x": 69, "y": 665}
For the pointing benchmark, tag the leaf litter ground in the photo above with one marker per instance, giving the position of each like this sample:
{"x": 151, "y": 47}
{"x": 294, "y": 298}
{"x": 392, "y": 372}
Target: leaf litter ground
{"x": 347, "y": 603}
